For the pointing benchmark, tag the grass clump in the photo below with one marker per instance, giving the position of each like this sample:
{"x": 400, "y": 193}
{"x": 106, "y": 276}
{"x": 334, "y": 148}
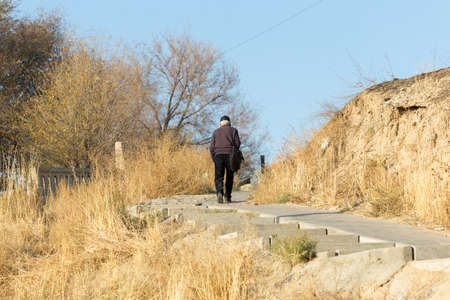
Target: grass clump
{"x": 294, "y": 250}
{"x": 385, "y": 203}
{"x": 283, "y": 198}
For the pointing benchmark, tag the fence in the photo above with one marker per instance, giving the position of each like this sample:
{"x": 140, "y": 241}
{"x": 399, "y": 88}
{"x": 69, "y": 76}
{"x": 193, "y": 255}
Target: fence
{"x": 49, "y": 178}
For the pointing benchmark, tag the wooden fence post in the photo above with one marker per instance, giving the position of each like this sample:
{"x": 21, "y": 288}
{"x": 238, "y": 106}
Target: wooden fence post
{"x": 263, "y": 163}
{"x": 120, "y": 164}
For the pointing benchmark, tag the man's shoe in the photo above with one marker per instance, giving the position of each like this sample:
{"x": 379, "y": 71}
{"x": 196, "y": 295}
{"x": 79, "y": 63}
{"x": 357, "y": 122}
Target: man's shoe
{"x": 228, "y": 199}
{"x": 219, "y": 198}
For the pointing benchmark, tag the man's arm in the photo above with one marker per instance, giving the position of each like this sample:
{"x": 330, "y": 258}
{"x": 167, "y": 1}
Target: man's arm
{"x": 237, "y": 140}
{"x": 212, "y": 146}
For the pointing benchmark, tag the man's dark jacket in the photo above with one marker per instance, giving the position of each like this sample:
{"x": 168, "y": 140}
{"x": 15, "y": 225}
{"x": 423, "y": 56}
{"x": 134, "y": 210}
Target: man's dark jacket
{"x": 223, "y": 139}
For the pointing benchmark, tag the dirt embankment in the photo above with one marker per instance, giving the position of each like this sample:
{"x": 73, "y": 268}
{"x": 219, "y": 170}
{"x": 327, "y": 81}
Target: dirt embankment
{"x": 388, "y": 148}
{"x": 405, "y": 123}
{"x": 401, "y": 128}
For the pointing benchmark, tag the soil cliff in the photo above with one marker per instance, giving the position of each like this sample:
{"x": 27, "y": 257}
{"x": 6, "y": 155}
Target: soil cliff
{"x": 387, "y": 148}
{"x": 397, "y": 134}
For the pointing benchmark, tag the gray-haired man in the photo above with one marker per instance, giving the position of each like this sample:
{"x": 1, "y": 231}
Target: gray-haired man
{"x": 222, "y": 142}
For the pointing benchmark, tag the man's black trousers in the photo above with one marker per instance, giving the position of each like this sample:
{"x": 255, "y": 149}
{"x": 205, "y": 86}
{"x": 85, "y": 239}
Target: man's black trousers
{"x": 222, "y": 165}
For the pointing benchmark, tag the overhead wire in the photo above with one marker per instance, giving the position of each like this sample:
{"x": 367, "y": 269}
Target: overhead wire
{"x": 254, "y": 37}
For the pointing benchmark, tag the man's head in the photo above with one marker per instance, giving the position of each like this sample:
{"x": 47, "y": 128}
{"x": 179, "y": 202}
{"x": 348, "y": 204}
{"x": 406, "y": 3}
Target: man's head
{"x": 224, "y": 120}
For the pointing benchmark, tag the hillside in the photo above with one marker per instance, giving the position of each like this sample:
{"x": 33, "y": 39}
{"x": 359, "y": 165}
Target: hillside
{"x": 388, "y": 148}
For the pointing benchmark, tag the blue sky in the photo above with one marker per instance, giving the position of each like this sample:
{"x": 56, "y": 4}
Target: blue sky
{"x": 288, "y": 72}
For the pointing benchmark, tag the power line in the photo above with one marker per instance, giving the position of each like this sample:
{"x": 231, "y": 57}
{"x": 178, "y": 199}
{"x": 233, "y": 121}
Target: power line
{"x": 254, "y": 37}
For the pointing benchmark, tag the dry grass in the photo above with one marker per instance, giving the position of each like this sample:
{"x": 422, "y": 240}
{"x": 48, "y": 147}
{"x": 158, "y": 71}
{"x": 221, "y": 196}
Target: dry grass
{"x": 294, "y": 250}
{"x": 168, "y": 169}
{"x": 79, "y": 245}
{"x": 311, "y": 175}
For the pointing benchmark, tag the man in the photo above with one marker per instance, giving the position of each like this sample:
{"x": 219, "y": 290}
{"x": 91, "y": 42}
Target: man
{"x": 222, "y": 142}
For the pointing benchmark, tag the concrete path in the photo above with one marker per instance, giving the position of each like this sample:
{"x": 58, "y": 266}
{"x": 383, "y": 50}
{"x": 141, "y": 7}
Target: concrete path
{"x": 336, "y": 233}
{"x": 369, "y": 229}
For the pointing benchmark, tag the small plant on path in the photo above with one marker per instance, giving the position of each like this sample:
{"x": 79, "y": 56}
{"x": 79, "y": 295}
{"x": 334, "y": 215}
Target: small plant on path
{"x": 294, "y": 249}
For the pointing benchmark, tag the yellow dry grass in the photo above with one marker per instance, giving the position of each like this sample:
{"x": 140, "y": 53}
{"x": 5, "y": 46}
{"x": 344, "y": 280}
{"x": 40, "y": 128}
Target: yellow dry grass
{"x": 307, "y": 176}
{"x": 79, "y": 245}
{"x": 167, "y": 169}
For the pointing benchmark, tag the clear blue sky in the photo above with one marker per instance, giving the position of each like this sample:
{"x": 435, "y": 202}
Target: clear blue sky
{"x": 289, "y": 71}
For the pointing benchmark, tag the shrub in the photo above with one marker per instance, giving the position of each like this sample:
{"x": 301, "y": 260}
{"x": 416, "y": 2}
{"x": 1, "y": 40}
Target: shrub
{"x": 294, "y": 249}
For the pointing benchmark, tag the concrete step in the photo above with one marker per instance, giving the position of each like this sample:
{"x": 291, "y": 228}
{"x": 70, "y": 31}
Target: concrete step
{"x": 431, "y": 252}
{"x": 274, "y": 233}
{"x": 347, "y": 248}
{"x": 221, "y": 229}
{"x": 217, "y": 218}
{"x": 337, "y": 238}
{"x": 246, "y": 229}
{"x": 277, "y": 227}
{"x": 251, "y": 218}
{"x": 200, "y": 210}
{"x": 226, "y": 221}
{"x": 332, "y": 247}
{"x": 262, "y": 221}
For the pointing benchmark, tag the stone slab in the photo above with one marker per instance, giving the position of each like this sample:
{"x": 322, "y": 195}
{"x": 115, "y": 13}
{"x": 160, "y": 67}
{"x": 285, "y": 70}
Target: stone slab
{"x": 428, "y": 279}
{"x": 337, "y": 238}
{"x": 218, "y": 218}
{"x": 362, "y": 247}
{"x": 431, "y": 252}
{"x": 346, "y": 248}
{"x": 201, "y": 210}
{"x": 309, "y": 233}
{"x": 223, "y": 229}
{"x": 278, "y": 227}
{"x": 261, "y": 221}
{"x": 351, "y": 274}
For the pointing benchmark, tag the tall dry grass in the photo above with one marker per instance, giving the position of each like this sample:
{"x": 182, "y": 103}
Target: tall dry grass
{"x": 80, "y": 245}
{"x": 317, "y": 172}
{"x": 168, "y": 169}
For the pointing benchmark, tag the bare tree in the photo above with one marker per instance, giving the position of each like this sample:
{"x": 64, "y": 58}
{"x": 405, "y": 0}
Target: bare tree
{"x": 189, "y": 84}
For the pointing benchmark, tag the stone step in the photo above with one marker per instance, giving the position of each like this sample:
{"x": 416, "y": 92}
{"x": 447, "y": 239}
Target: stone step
{"x": 262, "y": 221}
{"x": 277, "y": 227}
{"x": 431, "y": 252}
{"x": 245, "y": 228}
{"x": 200, "y": 210}
{"x": 283, "y": 233}
{"x": 170, "y": 210}
{"x": 327, "y": 240}
{"x": 217, "y": 218}
{"x": 347, "y": 248}
{"x": 337, "y": 238}
{"x": 221, "y": 229}
{"x": 263, "y": 226}
{"x": 257, "y": 221}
